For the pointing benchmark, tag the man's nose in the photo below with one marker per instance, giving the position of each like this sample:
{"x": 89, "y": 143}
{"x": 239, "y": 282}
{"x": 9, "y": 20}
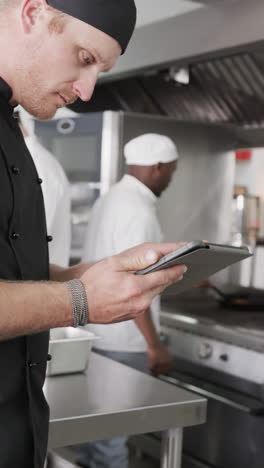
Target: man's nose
{"x": 84, "y": 86}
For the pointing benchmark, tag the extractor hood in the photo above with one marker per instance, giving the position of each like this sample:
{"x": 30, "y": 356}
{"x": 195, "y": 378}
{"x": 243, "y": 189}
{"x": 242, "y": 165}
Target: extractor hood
{"x": 226, "y": 90}
{"x": 217, "y": 28}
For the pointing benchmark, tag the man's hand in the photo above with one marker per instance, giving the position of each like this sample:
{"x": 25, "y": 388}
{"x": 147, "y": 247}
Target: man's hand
{"x": 115, "y": 294}
{"x": 160, "y": 360}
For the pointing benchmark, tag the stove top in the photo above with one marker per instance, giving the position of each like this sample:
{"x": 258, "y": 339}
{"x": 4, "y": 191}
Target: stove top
{"x": 203, "y": 315}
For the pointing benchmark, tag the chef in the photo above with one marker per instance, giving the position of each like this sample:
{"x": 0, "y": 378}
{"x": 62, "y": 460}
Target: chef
{"x": 124, "y": 217}
{"x": 51, "y": 53}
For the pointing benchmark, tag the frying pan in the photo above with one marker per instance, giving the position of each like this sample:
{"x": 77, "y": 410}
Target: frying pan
{"x": 242, "y": 300}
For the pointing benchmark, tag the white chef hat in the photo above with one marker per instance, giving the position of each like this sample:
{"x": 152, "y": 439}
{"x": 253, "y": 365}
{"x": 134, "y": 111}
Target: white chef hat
{"x": 150, "y": 149}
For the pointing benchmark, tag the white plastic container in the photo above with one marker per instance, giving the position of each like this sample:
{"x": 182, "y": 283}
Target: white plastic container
{"x": 70, "y": 350}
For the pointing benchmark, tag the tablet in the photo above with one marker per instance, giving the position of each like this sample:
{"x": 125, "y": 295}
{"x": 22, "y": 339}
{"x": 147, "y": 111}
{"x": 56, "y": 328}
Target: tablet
{"x": 203, "y": 259}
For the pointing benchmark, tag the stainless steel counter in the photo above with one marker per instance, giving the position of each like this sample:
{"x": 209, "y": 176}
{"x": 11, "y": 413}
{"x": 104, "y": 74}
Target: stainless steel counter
{"x": 112, "y": 400}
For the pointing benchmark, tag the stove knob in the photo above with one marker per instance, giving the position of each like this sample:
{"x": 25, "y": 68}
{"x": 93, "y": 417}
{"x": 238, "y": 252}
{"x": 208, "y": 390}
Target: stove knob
{"x": 224, "y": 357}
{"x": 205, "y": 351}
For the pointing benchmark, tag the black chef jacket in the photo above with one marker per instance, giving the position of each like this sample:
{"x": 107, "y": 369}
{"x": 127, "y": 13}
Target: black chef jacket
{"x": 24, "y": 412}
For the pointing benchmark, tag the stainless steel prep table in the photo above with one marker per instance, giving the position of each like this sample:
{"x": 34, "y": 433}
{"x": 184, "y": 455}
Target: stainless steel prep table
{"x": 112, "y": 400}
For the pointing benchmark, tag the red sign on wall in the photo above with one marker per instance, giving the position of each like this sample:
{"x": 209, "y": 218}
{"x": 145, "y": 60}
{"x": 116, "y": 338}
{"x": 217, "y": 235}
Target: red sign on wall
{"x": 243, "y": 155}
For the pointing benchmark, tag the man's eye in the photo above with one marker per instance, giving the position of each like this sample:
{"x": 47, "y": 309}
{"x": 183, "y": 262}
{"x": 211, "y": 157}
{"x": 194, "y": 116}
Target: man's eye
{"x": 88, "y": 60}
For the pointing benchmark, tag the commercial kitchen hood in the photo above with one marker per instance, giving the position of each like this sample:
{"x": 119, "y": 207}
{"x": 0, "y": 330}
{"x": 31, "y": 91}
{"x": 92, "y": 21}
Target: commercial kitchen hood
{"x": 220, "y": 27}
{"x": 220, "y": 48}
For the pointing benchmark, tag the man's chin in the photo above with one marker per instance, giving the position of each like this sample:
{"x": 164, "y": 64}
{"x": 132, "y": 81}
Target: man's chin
{"x": 42, "y": 114}
{"x": 45, "y": 115}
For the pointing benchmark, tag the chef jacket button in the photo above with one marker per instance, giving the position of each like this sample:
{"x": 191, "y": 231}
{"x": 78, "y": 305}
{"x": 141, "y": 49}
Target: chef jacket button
{"x": 39, "y": 181}
{"x": 15, "y": 235}
{"x": 32, "y": 364}
{"x": 15, "y": 170}
{"x": 49, "y": 357}
{"x": 49, "y": 238}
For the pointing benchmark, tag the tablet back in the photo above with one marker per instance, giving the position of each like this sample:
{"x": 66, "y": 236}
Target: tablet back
{"x": 204, "y": 262}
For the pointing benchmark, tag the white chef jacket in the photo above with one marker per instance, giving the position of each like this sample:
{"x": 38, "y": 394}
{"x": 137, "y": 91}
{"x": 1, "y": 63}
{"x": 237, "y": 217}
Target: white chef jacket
{"x": 122, "y": 218}
{"x": 56, "y": 194}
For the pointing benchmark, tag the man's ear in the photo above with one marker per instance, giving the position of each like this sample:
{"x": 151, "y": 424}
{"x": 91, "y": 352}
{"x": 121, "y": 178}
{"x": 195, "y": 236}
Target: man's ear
{"x": 31, "y": 12}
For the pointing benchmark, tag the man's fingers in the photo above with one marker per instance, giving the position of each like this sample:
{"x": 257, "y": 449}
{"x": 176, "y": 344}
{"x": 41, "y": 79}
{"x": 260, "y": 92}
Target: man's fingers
{"x": 144, "y": 255}
{"x": 162, "y": 278}
{"x": 155, "y": 283}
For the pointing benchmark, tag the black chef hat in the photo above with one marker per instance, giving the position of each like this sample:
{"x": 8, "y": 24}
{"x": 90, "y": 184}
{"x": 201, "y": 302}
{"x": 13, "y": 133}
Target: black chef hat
{"x": 116, "y": 18}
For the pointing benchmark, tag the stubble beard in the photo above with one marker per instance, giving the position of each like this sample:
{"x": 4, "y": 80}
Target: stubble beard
{"x": 39, "y": 108}
{"x": 37, "y": 100}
